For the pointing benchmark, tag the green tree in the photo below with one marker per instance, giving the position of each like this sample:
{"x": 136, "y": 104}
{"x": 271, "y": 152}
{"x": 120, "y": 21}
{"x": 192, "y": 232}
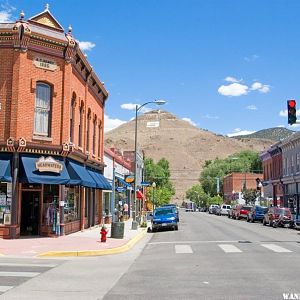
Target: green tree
{"x": 197, "y": 195}
{"x": 160, "y": 174}
{"x": 250, "y": 196}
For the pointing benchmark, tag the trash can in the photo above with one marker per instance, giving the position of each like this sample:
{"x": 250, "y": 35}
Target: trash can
{"x": 117, "y": 230}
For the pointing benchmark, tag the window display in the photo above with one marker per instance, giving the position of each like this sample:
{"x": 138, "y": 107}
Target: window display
{"x": 5, "y": 203}
{"x": 50, "y": 205}
{"x": 72, "y": 204}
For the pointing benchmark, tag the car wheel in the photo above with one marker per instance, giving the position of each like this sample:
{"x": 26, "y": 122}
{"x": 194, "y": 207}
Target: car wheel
{"x": 264, "y": 222}
{"x": 176, "y": 227}
{"x": 238, "y": 217}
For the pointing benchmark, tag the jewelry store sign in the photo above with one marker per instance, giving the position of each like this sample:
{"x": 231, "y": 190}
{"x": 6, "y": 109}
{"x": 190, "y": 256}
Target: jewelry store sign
{"x": 45, "y": 64}
{"x": 48, "y": 164}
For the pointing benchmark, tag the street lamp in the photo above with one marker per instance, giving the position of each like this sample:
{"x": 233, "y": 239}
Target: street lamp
{"x": 137, "y": 108}
{"x": 153, "y": 187}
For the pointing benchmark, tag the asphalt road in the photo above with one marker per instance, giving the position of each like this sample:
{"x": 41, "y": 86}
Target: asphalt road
{"x": 213, "y": 257}
{"x": 209, "y": 257}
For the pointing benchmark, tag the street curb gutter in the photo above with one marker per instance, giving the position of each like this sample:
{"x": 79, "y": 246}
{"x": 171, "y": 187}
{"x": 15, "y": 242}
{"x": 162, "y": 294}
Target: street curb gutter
{"x": 116, "y": 250}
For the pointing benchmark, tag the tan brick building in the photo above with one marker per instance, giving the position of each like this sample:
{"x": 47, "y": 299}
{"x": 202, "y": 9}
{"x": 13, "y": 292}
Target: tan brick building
{"x": 51, "y": 131}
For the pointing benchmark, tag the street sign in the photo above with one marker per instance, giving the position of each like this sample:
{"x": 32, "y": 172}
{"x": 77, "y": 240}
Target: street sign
{"x": 145, "y": 183}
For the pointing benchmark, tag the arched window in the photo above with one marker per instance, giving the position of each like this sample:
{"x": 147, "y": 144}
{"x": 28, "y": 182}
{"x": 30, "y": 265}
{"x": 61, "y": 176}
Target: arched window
{"x": 72, "y": 118}
{"x": 42, "y": 111}
{"x": 94, "y": 134}
{"x": 88, "y": 131}
{"x": 99, "y": 137}
{"x": 80, "y": 126}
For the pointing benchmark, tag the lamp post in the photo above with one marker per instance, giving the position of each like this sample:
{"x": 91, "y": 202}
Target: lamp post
{"x": 153, "y": 198}
{"x": 137, "y": 108}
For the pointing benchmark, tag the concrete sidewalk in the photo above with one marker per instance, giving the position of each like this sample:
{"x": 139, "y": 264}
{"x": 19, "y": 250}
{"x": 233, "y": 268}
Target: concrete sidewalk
{"x": 83, "y": 243}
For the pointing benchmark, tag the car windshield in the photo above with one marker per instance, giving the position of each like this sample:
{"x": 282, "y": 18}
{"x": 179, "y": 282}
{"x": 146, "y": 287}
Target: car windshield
{"x": 164, "y": 212}
{"x": 260, "y": 208}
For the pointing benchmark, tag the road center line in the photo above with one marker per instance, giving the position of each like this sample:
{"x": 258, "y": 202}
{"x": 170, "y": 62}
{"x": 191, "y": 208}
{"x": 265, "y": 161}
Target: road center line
{"x": 179, "y": 249}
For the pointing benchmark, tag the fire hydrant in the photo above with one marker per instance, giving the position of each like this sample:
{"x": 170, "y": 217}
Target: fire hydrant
{"x": 103, "y": 233}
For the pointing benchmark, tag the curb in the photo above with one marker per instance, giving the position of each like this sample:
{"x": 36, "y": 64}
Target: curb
{"x": 116, "y": 250}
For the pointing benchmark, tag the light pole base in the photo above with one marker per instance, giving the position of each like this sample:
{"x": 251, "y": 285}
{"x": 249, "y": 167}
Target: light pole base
{"x": 134, "y": 225}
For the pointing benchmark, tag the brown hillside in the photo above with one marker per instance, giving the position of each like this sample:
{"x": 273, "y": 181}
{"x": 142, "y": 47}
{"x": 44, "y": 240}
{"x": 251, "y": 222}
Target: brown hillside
{"x": 186, "y": 147}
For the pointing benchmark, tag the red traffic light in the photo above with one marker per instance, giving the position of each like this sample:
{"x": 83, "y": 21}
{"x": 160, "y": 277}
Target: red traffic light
{"x": 292, "y": 103}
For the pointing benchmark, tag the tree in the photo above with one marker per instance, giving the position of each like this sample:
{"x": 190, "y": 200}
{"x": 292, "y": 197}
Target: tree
{"x": 250, "y": 196}
{"x": 160, "y": 174}
{"x": 197, "y": 195}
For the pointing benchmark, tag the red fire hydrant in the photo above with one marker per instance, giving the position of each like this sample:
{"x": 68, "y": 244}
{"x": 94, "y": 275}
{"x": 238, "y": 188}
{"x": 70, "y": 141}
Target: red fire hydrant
{"x": 103, "y": 233}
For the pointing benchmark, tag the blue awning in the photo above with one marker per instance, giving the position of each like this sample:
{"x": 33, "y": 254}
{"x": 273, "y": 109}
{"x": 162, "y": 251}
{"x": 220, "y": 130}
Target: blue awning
{"x": 29, "y": 173}
{"x": 79, "y": 175}
{"x": 123, "y": 182}
{"x": 5, "y": 169}
{"x": 100, "y": 180}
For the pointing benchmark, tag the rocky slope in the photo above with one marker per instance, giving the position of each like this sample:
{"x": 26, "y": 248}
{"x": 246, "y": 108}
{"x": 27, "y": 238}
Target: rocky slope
{"x": 186, "y": 147}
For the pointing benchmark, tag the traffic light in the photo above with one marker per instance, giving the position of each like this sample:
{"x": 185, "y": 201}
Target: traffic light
{"x": 292, "y": 118}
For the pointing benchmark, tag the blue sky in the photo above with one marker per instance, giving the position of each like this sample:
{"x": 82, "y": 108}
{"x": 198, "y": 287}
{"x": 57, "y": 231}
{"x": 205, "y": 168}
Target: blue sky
{"x": 228, "y": 66}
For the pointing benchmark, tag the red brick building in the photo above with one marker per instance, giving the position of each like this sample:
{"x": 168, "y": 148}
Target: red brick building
{"x": 51, "y": 131}
{"x": 234, "y": 183}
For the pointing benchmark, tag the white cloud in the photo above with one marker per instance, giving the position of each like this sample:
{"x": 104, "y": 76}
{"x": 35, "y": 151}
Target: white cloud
{"x": 190, "y": 121}
{"x": 129, "y": 106}
{"x": 233, "y": 90}
{"x": 239, "y": 131}
{"x": 251, "y": 107}
{"x": 263, "y": 88}
{"x": 6, "y": 13}
{"x": 110, "y": 124}
{"x": 207, "y": 116}
{"x": 86, "y": 46}
{"x": 231, "y": 79}
{"x": 250, "y": 58}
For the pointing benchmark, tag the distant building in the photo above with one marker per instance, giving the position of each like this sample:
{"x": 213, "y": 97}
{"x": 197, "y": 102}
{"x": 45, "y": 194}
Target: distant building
{"x": 234, "y": 183}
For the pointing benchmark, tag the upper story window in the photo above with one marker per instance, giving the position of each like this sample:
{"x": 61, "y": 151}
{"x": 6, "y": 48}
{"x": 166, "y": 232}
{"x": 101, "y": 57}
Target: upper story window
{"x": 94, "y": 134}
{"x": 99, "y": 137}
{"x": 72, "y": 118}
{"x": 80, "y": 126}
{"x": 42, "y": 110}
{"x": 88, "y": 130}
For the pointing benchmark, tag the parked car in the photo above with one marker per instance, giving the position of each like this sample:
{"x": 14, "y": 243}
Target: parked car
{"x": 275, "y": 214}
{"x": 256, "y": 213}
{"x": 231, "y": 211}
{"x": 242, "y": 211}
{"x": 212, "y": 208}
{"x": 175, "y": 207}
{"x": 297, "y": 223}
{"x": 223, "y": 210}
{"x": 164, "y": 217}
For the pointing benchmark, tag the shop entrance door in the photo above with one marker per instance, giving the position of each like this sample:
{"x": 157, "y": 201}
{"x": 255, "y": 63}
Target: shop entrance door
{"x": 30, "y": 213}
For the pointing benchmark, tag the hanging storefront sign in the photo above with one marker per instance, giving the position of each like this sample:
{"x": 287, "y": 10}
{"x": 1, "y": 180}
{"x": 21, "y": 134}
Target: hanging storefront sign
{"x": 129, "y": 178}
{"x": 48, "y": 164}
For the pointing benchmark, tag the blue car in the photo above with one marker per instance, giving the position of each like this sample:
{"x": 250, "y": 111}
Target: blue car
{"x": 164, "y": 217}
{"x": 256, "y": 213}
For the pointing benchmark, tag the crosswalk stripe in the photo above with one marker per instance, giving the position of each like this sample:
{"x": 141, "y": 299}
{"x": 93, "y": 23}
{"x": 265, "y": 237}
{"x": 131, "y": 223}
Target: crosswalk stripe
{"x": 183, "y": 249}
{"x": 27, "y": 265}
{"x": 229, "y": 248}
{"x": 19, "y": 274}
{"x": 275, "y": 248}
{"x": 4, "y": 288}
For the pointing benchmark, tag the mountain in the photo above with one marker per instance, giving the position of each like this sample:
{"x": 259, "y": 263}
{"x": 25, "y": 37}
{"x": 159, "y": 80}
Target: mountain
{"x": 275, "y": 134}
{"x": 185, "y": 146}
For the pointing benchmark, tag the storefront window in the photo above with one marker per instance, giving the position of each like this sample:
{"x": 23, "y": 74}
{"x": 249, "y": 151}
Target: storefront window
{"x": 50, "y": 205}
{"x": 5, "y": 203}
{"x": 72, "y": 204}
{"x": 106, "y": 204}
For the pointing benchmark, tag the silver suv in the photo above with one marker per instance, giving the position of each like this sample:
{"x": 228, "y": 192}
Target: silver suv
{"x": 223, "y": 210}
